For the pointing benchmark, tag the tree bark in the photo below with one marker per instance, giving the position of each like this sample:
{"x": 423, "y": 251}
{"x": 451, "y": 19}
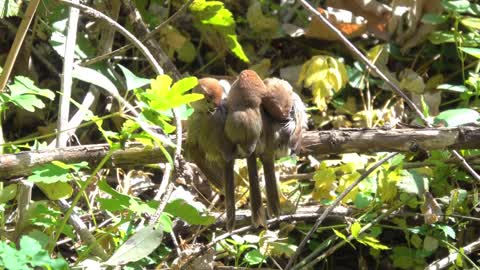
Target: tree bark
{"x": 314, "y": 142}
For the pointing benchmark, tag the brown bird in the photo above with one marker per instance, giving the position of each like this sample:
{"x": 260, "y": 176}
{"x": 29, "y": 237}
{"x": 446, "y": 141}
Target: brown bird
{"x": 243, "y": 127}
{"x": 284, "y": 119}
{"x": 207, "y": 145}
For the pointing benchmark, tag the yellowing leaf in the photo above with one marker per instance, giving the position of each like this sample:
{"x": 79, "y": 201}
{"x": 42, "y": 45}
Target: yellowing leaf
{"x": 345, "y": 181}
{"x": 325, "y": 183}
{"x": 387, "y": 186}
{"x": 325, "y": 76}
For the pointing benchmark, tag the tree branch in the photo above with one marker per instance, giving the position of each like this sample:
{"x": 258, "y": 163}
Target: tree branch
{"x": 314, "y": 142}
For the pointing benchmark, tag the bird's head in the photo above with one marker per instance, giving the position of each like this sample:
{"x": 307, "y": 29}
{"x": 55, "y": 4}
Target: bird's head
{"x": 213, "y": 93}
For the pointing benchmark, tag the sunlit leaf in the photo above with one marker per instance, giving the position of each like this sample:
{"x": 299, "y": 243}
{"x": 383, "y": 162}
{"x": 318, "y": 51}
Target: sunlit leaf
{"x": 137, "y": 247}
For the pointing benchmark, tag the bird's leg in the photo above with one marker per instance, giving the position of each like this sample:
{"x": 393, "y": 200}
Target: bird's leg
{"x": 230, "y": 195}
{"x": 256, "y": 206}
{"x": 273, "y": 202}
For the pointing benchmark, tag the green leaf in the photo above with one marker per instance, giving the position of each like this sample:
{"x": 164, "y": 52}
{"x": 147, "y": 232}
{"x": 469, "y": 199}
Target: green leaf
{"x": 457, "y": 117}
{"x": 23, "y": 93}
{"x": 166, "y": 222}
{"x": 471, "y": 22}
{"x": 132, "y": 80}
{"x": 452, "y": 88}
{"x": 440, "y": 37}
{"x": 342, "y": 236}
{"x": 430, "y": 244}
{"x": 182, "y": 209}
{"x": 184, "y": 85}
{"x": 447, "y": 230}
{"x": 187, "y": 53}
{"x": 254, "y": 257}
{"x": 362, "y": 200}
{"x": 373, "y": 243}
{"x": 56, "y": 191}
{"x": 457, "y": 6}
{"x": 412, "y": 183}
{"x": 431, "y": 18}
{"x": 355, "y": 229}
{"x": 29, "y": 256}
{"x": 212, "y": 16}
{"x": 472, "y": 51}
{"x": 9, "y": 8}
{"x": 94, "y": 77}
{"x": 137, "y": 247}
{"x": 27, "y": 86}
{"x": 76, "y": 167}
{"x": 49, "y": 173}
{"x": 8, "y": 193}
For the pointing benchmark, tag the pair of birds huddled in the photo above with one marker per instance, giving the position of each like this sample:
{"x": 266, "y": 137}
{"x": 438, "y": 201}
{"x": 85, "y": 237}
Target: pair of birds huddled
{"x": 256, "y": 118}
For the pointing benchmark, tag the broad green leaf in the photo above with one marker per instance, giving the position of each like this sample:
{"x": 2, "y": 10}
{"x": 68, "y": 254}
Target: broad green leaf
{"x": 452, "y": 88}
{"x": 24, "y": 85}
{"x": 362, "y": 200}
{"x": 254, "y": 257}
{"x": 49, "y": 173}
{"x": 212, "y": 16}
{"x": 447, "y": 230}
{"x": 430, "y": 244}
{"x": 355, "y": 229}
{"x": 472, "y": 51}
{"x": 434, "y": 19}
{"x": 187, "y": 212}
{"x": 9, "y": 8}
{"x": 471, "y": 22}
{"x": 137, "y": 247}
{"x": 132, "y": 80}
{"x": 457, "y": 6}
{"x": 187, "y": 53}
{"x": 412, "y": 183}
{"x": 30, "y": 255}
{"x": 161, "y": 84}
{"x": 166, "y": 222}
{"x": 83, "y": 46}
{"x": 457, "y": 117}
{"x": 8, "y": 193}
{"x": 96, "y": 78}
{"x": 403, "y": 257}
{"x": 56, "y": 191}
{"x": 184, "y": 85}
{"x": 439, "y": 37}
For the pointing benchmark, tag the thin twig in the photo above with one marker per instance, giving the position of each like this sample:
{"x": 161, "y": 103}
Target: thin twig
{"x": 96, "y": 14}
{"x": 17, "y": 43}
{"x": 147, "y": 37}
{"x": 67, "y": 77}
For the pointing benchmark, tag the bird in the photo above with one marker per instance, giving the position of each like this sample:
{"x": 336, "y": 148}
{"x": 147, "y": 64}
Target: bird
{"x": 206, "y": 143}
{"x": 243, "y": 127}
{"x": 284, "y": 119}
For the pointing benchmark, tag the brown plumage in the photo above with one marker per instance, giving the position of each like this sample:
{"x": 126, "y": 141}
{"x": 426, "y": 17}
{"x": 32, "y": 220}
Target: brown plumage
{"x": 243, "y": 127}
{"x": 207, "y": 145}
{"x": 284, "y": 119}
